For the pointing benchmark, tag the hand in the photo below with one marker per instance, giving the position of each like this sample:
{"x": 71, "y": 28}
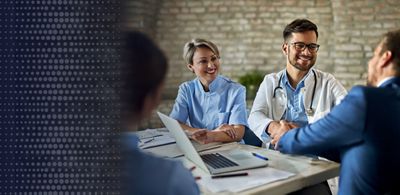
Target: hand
{"x": 228, "y": 129}
{"x": 202, "y": 136}
{"x": 283, "y": 127}
{"x": 196, "y": 177}
{"x": 272, "y": 127}
{"x": 275, "y": 126}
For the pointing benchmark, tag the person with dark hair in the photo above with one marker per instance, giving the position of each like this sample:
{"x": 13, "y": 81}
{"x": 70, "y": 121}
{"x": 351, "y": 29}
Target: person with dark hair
{"x": 299, "y": 94}
{"x": 143, "y": 72}
{"x": 364, "y": 128}
{"x": 212, "y": 107}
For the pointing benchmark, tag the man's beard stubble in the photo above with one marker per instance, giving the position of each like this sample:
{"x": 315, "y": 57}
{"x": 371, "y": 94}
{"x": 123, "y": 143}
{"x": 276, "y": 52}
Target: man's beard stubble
{"x": 297, "y": 66}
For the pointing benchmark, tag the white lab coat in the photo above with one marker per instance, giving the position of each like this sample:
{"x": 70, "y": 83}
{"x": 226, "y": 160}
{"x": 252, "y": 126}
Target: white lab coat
{"x": 328, "y": 93}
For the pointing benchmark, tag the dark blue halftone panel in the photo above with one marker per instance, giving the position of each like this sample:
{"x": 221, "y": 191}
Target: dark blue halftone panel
{"x": 58, "y": 110}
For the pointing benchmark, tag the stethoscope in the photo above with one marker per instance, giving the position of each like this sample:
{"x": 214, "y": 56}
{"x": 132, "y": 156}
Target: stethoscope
{"x": 310, "y": 110}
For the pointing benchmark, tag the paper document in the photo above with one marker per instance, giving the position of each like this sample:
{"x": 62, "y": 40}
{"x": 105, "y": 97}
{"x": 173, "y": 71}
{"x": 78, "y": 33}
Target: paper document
{"x": 156, "y": 141}
{"x": 149, "y": 133}
{"x": 150, "y": 138}
{"x": 256, "y": 177}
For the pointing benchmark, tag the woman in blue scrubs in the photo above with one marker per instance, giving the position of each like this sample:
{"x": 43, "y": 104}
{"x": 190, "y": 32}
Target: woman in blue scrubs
{"x": 211, "y": 107}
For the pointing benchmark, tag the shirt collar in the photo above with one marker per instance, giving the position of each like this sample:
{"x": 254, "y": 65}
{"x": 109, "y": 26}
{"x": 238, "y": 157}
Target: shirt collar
{"x": 285, "y": 80}
{"x": 214, "y": 85}
{"x": 383, "y": 81}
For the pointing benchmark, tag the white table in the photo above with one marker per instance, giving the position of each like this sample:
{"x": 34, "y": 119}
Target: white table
{"x": 308, "y": 172}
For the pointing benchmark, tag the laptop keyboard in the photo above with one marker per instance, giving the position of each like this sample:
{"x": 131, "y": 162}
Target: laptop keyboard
{"x": 217, "y": 161}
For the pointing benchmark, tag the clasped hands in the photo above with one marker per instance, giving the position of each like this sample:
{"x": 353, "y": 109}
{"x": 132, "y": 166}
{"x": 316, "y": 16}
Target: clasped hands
{"x": 276, "y": 129}
{"x": 205, "y": 136}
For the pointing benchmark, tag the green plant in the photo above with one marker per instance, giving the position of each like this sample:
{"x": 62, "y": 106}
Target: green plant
{"x": 251, "y": 81}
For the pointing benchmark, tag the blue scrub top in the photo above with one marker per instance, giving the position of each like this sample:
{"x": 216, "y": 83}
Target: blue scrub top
{"x": 224, "y": 103}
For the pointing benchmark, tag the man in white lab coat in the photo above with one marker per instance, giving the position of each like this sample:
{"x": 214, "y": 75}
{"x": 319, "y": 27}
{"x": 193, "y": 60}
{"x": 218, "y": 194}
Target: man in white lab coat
{"x": 299, "y": 94}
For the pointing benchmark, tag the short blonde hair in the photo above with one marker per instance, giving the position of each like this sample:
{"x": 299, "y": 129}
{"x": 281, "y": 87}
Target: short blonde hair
{"x": 191, "y": 46}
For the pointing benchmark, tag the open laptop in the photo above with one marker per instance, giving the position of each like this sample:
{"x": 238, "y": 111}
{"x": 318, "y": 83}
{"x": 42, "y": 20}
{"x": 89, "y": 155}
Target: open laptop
{"x": 213, "y": 163}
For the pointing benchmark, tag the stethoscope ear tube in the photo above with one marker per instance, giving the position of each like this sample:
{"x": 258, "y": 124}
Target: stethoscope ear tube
{"x": 278, "y": 87}
{"x": 310, "y": 110}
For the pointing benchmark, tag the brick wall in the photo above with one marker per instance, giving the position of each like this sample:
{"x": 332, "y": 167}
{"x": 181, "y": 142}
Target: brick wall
{"x": 139, "y": 15}
{"x": 249, "y": 34}
{"x": 358, "y": 26}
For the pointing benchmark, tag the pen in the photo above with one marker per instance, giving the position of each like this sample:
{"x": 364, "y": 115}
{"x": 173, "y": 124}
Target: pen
{"x": 147, "y": 141}
{"x": 154, "y": 146}
{"x": 153, "y": 136}
{"x": 259, "y": 156}
{"x": 229, "y": 175}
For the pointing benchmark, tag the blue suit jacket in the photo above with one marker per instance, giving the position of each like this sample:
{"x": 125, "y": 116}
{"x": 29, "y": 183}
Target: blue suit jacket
{"x": 365, "y": 131}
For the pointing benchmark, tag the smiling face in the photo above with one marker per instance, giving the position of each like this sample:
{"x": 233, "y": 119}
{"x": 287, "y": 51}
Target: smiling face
{"x": 205, "y": 65}
{"x": 300, "y": 60}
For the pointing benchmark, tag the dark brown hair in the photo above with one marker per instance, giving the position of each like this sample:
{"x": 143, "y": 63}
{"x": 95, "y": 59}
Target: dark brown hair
{"x": 391, "y": 42}
{"x": 299, "y": 25}
{"x": 144, "y": 67}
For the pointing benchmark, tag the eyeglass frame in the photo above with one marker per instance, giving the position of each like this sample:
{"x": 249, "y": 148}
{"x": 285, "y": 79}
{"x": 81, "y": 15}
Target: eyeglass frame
{"x": 213, "y": 59}
{"x": 306, "y": 45}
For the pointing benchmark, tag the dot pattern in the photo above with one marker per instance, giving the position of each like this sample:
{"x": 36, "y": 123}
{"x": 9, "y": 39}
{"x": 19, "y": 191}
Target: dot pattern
{"x": 58, "y": 110}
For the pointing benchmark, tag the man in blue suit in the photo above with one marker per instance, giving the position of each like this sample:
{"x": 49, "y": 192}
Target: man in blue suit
{"x": 364, "y": 129}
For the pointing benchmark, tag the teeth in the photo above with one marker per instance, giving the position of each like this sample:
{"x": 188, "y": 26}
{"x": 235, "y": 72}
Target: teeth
{"x": 305, "y": 57}
{"x": 210, "y": 70}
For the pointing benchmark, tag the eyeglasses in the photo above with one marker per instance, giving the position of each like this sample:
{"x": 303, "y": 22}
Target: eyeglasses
{"x": 205, "y": 61}
{"x": 300, "y": 46}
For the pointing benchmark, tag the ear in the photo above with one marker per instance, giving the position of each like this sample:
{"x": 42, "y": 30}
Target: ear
{"x": 385, "y": 59}
{"x": 190, "y": 67}
{"x": 284, "y": 48}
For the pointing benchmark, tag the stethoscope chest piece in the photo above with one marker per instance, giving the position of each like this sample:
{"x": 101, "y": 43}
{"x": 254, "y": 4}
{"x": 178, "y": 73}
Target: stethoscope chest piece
{"x": 310, "y": 112}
